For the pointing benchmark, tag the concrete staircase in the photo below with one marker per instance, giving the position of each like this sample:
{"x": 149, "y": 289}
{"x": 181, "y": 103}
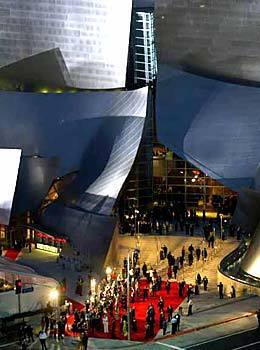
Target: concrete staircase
{"x": 150, "y": 247}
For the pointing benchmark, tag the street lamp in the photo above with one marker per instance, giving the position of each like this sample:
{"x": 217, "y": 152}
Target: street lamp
{"x": 108, "y": 273}
{"x": 221, "y": 225}
{"x": 54, "y": 297}
{"x": 128, "y": 297}
{"x": 93, "y": 284}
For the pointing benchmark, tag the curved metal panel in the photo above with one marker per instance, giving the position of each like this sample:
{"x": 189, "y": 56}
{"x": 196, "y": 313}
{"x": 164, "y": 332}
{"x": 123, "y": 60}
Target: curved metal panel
{"x": 78, "y": 129}
{"x": 215, "y": 37}
{"x": 251, "y": 262}
{"x": 214, "y": 125}
{"x": 88, "y": 33}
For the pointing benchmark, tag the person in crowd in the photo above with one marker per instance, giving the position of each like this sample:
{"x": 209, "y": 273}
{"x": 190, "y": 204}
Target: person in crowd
{"x": 198, "y": 253}
{"x": 169, "y": 312}
{"x": 175, "y": 270}
{"x": 169, "y": 272}
{"x": 221, "y": 290}
{"x": 29, "y": 333}
{"x": 189, "y": 292}
{"x": 105, "y": 323}
{"x": 191, "y": 249}
{"x": 181, "y": 260}
{"x": 190, "y": 304}
{"x": 164, "y": 327}
{"x": 190, "y": 259}
{"x": 160, "y": 304}
{"x": 174, "y": 325}
{"x": 168, "y": 286}
{"x": 161, "y": 319}
{"x": 84, "y": 340}
{"x": 42, "y": 338}
{"x": 196, "y": 289}
{"x": 198, "y": 279}
{"x": 134, "y": 325}
{"x": 183, "y": 252}
{"x": 204, "y": 254}
{"x": 233, "y": 292}
{"x": 178, "y": 318}
{"x": 205, "y": 283}
{"x": 144, "y": 269}
{"x": 162, "y": 254}
{"x": 145, "y": 293}
{"x": 165, "y": 250}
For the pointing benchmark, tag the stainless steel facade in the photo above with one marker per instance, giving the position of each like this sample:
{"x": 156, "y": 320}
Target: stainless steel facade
{"x": 96, "y": 134}
{"x": 217, "y": 37}
{"x": 92, "y": 35}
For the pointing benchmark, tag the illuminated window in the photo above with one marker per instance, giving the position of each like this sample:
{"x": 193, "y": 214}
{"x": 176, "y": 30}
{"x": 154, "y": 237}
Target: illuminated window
{"x": 2, "y": 232}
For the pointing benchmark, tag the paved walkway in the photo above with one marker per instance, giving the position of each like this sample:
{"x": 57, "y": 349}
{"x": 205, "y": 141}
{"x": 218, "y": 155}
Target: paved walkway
{"x": 45, "y": 264}
{"x": 208, "y": 308}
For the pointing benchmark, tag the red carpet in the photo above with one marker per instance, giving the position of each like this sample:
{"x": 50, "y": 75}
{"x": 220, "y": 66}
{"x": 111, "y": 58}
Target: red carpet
{"x": 12, "y": 253}
{"x": 141, "y": 308}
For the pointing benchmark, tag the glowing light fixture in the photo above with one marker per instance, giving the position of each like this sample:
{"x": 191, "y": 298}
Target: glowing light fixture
{"x": 54, "y": 294}
{"x": 108, "y": 270}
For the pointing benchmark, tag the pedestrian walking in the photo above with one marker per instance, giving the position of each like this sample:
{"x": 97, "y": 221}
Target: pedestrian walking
{"x": 105, "y": 323}
{"x": 205, "y": 283}
{"x": 190, "y": 304}
{"x": 43, "y": 337}
{"x": 221, "y": 290}
{"x": 84, "y": 341}
{"x": 233, "y": 292}
{"x": 178, "y": 318}
{"x": 174, "y": 325}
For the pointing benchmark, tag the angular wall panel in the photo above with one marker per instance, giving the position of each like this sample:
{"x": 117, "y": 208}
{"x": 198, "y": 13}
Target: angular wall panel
{"x": 96, "y": 134}
{"x": 10, "y": 161}
{"x": 213, "y": 124}
{"x": 88, "y": 33}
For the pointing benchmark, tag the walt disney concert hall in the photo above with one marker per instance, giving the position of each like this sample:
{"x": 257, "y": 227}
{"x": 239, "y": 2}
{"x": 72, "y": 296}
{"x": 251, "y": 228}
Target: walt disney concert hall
{"x": 71, "y": 126}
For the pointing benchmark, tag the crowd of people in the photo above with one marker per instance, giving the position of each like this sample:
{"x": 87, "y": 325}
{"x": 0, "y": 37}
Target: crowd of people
{"x": 173, "y": 217}
{"x": 102, "y": 311}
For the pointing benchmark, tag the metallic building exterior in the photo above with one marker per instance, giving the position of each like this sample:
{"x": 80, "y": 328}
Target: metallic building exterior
{"x": 208, "y": 96}
{"x": 215, "y": 37}
{"x": 212, "y": 124}
{"x": 87, "y": 32}
{"x": 96, "y": 134}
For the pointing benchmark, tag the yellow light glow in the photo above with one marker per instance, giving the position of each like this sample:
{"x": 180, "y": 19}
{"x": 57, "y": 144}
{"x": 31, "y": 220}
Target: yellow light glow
{"x": 54, "y": 294}
{"x": 108, "y": 270}
{"x": 93, "y": 283}
{"x": 47, "y": 248}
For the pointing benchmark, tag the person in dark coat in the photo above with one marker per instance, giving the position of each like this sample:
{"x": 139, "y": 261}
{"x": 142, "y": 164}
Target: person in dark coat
{"x": 169, "y": 312}
{"x": 144, "y": 269}
{"x": 205, "y": 283}
{"x": 198, "y": 279}
{"x": 198, "y": 253}
{"x": 197, "y": 290}
{"x": 175, "y": 270}
{"x": 85, "y": 340}
{"x": 168, "y": 286}
{"x": 178, "y": 318}
{"x": 164, "y": 327}
{"x": 221, "y": 290}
